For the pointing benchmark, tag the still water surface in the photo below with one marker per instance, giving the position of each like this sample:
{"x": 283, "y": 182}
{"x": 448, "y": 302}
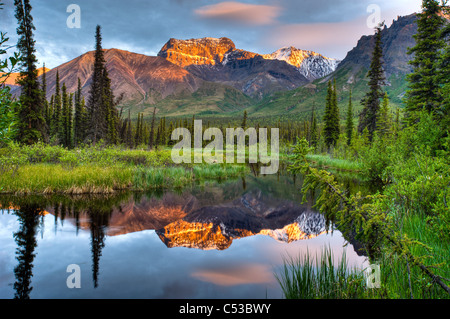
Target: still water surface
{"x": 216, "y": 240}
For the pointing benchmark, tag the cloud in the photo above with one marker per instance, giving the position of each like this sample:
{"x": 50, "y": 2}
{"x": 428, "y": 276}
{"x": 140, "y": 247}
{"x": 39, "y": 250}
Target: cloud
{"x": 231, "y": 276}
{"x": 249, "y": 14}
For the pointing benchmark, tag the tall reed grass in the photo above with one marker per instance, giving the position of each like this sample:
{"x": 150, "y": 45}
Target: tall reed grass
{"x": 320, "y": 278}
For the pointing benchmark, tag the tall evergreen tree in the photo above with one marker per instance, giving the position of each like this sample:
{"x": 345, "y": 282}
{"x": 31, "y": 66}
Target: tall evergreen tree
{"x": 424, "y": 89}
{"x": 314, "y": 135}
{"x": 64, "y": 134}
{"x": 335, "y": 114}
{"x": 47, "y": 111}
{"x": 331, "y": 119}
{"x": 32, "y": 126}
{"x": 328, "y": 127}
{"x": 69, "y": 129}
{"x": 137, "y": 134}
{"x": 109, "y": 104}
{"x": 371, "y": 101}
{"x": 56, "y": 119}
{"x": 244, "y": 120}
{"x": 129, "y": 134}
{"x": 158, "y": 138}
{"x": 443, "y": 113}
{"x": 349, "y": 123}
{"x": 384, "y": 120}
{"x": 169, "y": 140}
{"x": 51, "y": 108}
{"x": 100, "y": 97}
{"x": 152, "y": 128}
{"x": 78, "y": 127}
{"x": 314, "y": 132}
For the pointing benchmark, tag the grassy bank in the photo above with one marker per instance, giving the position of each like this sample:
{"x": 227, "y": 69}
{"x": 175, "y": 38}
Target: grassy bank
{"x": 41, "y": 169}
{"x": 336, "y": 164}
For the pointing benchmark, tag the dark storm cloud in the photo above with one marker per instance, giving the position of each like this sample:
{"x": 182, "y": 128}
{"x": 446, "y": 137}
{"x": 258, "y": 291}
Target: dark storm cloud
{"x": 144, "y": 26}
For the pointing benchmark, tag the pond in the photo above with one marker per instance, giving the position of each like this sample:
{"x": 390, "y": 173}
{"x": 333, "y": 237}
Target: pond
{"x": 215, "y": 240}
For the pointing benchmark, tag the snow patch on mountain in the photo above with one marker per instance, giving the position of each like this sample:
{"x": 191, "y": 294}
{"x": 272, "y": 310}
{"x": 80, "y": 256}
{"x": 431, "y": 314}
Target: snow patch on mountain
{"x": 310, "y": 64}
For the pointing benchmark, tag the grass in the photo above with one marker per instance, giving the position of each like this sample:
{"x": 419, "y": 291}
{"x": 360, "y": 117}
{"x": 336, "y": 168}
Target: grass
{"x": 55, "y": 178}
{"x": 177, "y": 177}
{"x": 404, "y": 283}
{"x": 43, "y": 169}
{"x": 94, "y": 179}
{"x": 321, "y": 278}
{"x": 326, "y": 162}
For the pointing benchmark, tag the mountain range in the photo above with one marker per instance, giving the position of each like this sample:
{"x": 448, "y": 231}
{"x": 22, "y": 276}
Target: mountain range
{"x": 210, "y": 76}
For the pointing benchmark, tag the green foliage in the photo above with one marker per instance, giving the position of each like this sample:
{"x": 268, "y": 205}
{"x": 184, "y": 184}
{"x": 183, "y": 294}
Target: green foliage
{"x": 373, "y": 218}
{"x": 8, "y": 116}
{"x": 384, "y": 126}
{"x": 424, "y": 82}
{"x": 375, "y": 159}
{"x": 8, "y": 106}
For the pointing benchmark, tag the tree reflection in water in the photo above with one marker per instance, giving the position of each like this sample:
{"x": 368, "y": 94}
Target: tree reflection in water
{"x": 29, "y": 217}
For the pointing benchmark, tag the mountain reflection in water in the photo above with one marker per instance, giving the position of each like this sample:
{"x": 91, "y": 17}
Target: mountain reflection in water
{"x": 205, "y": 218}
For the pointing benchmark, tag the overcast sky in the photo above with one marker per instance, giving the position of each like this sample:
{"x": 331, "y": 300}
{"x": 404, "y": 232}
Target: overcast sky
{"x": 331, "y": 28}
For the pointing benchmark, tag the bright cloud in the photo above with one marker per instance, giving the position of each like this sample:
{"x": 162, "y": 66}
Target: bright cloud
{"x": 250, "y": 14}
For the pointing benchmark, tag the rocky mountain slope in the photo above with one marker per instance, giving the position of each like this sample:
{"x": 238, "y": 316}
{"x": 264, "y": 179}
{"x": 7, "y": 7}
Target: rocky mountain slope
{"x": 133, "y": 74}
{"x": 311, "y": 65}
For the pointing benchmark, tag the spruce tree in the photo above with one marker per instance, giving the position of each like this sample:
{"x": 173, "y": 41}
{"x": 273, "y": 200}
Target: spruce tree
{"x": 244, "y": 120}
{"x": 47, "y": 113}
{"x": 97, "y": 102}
{"x": 349, "y": 123}
{"x": 78, "y": 127}
{"x": 31, "y": 126}
{"x": 169, "y": 134}
{"x": 331, "y": 118}
{"x": 137, "y": 134}
{"x": 314, "y": 133}
{"x": 328, "y": 126}
{"x": 424, "y": 89}
{"x": 371, "y": 101}
{"x": 56, "y": 119}
{"x": 384, "y": 121}
{"x": 129, "y": 134}
{"x": 112, "y": 116}
{"x": 443, "y": 113}
{"x": 152, "y": 128}
{"x": 335, "y": 115}
{"x": 158, "y": 138}
{"x": 51, "y": 108}
{"x": 64, "y": 120}
{"x": 69, "y": 129}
